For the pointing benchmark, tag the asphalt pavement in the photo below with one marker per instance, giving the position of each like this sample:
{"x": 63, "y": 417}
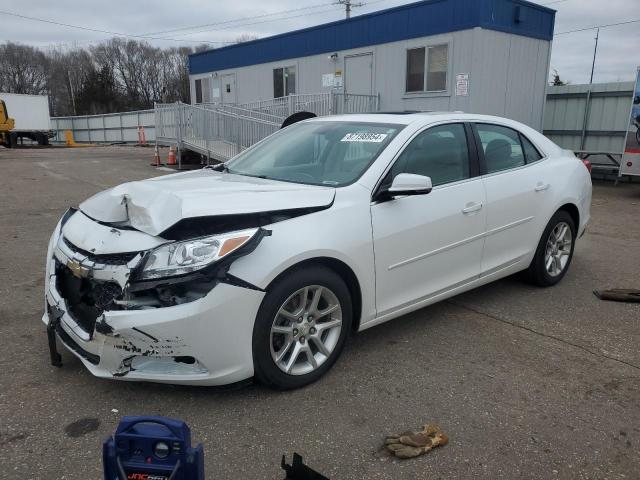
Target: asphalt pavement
{"x": 526, "y": 382}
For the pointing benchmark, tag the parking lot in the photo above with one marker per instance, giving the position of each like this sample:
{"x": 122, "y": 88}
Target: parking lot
{"x": 527, "y": 382}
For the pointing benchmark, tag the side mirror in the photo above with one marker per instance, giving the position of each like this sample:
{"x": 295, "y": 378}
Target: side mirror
{"x": 409, "y": 184}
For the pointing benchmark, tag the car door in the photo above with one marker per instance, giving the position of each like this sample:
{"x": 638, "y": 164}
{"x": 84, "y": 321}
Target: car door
{"x": 427, "y": 244}
{"x": 517, "y": 182}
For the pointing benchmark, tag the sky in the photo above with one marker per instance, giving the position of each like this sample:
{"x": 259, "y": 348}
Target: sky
{"x": 219, "y": 21}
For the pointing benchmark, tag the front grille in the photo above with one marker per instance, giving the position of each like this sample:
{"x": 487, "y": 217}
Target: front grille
{"x": 105, "y": 259}
{"x": 86, "y": 298}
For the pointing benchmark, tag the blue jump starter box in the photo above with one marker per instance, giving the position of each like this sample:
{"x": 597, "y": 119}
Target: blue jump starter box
{"x": 152, "y": 448}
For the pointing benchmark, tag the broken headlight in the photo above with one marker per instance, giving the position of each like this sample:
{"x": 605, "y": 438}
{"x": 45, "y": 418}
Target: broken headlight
{"x": 180, "y": 258}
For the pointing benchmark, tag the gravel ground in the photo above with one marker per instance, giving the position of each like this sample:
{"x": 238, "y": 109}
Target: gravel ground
{"x": 527, "y": 382}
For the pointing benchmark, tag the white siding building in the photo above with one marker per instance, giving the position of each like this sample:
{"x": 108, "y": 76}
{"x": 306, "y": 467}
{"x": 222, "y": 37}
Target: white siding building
{"x": 480, "y": 56}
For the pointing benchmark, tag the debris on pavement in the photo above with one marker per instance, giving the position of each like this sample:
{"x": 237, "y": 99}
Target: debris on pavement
{"x": 412, "y": 444}
{"x": 618, "y": 295}
{"x": 299, "y": 471}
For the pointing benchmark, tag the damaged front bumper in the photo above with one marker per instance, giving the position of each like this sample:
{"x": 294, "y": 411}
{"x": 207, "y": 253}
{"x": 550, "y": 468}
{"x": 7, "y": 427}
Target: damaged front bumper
{"x": 206, "y": 341}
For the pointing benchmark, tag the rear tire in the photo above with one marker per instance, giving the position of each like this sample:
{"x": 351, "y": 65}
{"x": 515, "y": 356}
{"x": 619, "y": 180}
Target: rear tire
{"x": 555, "y": 251}
{"x": 295, "y": 340}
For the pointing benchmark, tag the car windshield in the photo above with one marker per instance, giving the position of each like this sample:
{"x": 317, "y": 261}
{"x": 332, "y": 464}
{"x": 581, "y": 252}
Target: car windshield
{"x": 316, "y": 153}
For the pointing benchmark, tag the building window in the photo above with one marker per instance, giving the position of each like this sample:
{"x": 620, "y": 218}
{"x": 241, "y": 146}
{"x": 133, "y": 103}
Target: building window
{"x": 198, "y": 91}
{"x": 203, "y": 90}
{"x": 433, "y": 78}
{"x": 415, "y": 70}
{"x": 284, "y": 81}
{"x": 437, "y": 71}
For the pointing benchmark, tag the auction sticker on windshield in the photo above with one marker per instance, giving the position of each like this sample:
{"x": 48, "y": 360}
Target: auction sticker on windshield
{"x": 364, "y": 137}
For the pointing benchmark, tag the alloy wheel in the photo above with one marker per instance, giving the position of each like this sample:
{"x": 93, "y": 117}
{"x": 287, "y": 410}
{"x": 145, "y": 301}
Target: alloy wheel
{"x": 306, "y": 330}
{"x": 558, "y": 249}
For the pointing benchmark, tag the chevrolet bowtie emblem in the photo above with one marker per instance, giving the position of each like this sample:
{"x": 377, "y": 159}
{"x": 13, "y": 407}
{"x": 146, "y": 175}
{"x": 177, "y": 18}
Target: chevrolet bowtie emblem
{"x": 77, "y": 269}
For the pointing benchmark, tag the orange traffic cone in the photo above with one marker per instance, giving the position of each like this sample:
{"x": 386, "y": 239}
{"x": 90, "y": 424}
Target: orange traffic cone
{"x": 142, "y": 138}
{"x": 171, "y": 160}
{"x": 156, "y": 158}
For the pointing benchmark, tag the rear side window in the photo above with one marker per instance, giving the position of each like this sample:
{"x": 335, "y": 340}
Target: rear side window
{"x": 530, "y": 152}
{"x": 501, "y": 146}
{"x": 439, "y": 152}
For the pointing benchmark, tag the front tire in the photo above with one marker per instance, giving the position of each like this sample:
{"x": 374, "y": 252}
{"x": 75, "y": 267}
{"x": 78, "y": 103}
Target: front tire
{"x": 301, "y": 327}
{"x": 555, "y": 251}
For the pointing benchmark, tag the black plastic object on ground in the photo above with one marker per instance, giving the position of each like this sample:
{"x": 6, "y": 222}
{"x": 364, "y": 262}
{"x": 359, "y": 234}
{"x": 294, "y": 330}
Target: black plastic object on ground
{"x": 299, "y": 471}
{"x": 158, "y": 448}
{"x": 618, "y": 295}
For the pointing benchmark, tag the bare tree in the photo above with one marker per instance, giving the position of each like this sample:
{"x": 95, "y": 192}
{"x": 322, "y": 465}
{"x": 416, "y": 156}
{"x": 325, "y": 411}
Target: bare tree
{"x": 116, "y": 75}
{"x": 66, "y": 76}
{"x": 556, "y": 80}
{"x": 23, "y": 69}
{"x": 246, "y": 37}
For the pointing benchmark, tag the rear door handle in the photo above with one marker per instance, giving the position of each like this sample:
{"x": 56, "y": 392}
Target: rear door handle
{"x": 471, "y": 207}
{"x": 542, "y": 186}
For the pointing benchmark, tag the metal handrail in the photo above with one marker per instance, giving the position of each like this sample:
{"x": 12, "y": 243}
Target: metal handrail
{"x": 222, "y": 131}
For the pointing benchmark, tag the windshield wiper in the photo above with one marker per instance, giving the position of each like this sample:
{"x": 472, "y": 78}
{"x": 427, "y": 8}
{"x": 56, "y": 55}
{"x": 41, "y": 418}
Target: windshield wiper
{"x": 220, "y": 167}
{"x": 264, "y": 177}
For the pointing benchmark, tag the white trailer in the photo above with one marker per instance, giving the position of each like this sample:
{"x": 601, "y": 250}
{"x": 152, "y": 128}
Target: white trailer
{"x": 630, "y": 164}
{"x": 31, "y": 115}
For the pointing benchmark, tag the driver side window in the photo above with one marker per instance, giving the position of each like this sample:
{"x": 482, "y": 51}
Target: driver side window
{"x": 440, "y": 153}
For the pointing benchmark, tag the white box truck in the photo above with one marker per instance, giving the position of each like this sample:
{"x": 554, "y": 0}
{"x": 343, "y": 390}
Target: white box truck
{"x": 31, "y": 118}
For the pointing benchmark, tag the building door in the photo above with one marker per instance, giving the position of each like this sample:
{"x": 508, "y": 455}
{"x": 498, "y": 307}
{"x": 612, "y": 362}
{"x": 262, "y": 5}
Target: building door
{"x": 359, "y": 74}
{"x": 228, "y": 88}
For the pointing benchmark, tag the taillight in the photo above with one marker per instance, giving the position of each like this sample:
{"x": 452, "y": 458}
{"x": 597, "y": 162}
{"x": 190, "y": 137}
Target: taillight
{"x": 587, "y": 164}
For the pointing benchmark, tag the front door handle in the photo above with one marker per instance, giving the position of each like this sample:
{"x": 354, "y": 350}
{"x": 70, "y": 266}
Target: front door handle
{"x": 542, "y": 186}
{"x": 472, "y": 207}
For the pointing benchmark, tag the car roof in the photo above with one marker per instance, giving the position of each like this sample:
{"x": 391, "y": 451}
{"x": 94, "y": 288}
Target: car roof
{"x": 410, "y": 117}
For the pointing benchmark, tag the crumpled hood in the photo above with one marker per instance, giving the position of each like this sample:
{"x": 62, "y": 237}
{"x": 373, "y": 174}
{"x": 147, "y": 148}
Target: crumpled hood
{"x": 156, "y": 204}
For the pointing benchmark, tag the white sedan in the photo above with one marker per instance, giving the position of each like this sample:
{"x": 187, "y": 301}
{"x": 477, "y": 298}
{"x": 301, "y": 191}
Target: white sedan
{"x": 263, "y": 266}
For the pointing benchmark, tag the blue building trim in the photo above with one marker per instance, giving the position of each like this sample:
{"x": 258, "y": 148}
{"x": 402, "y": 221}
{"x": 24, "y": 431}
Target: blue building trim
{"x": 421, "y": 19}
